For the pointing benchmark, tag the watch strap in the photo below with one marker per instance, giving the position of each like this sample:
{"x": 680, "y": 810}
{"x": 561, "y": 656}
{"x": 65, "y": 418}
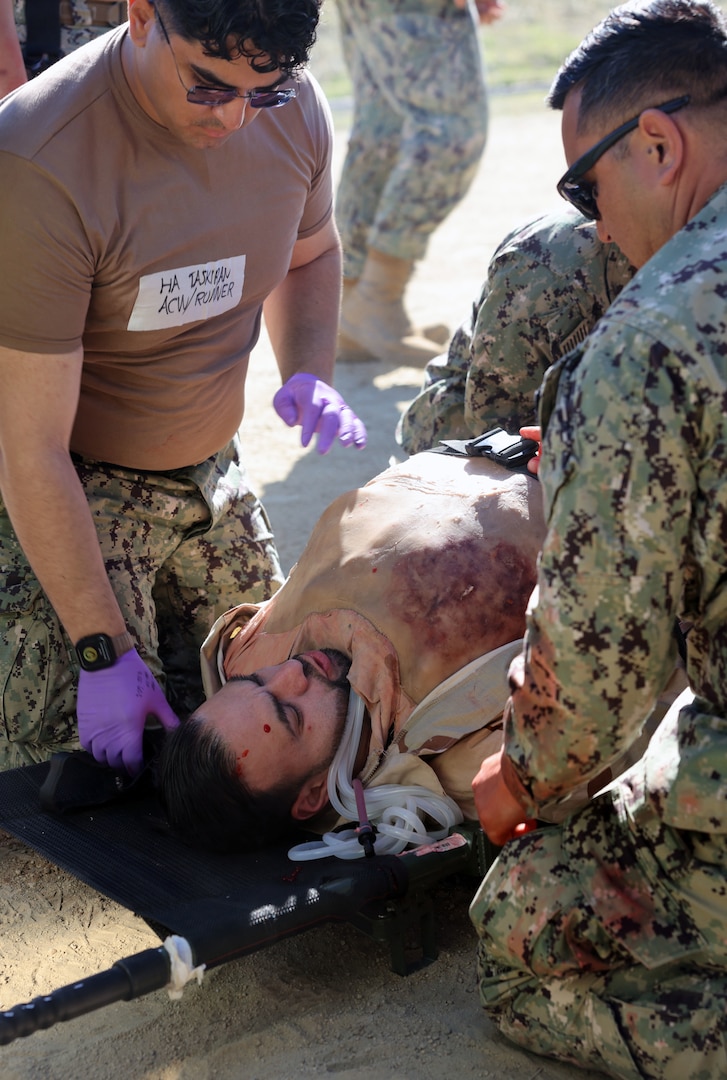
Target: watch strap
{"x": 122, "y": 643}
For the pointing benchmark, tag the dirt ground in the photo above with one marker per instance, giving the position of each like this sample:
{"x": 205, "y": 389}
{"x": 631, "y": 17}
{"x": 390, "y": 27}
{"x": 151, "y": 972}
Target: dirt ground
{"x": 324, "y": 1003}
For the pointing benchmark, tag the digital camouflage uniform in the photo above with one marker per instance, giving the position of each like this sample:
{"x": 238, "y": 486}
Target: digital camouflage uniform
{"x": 199, "y": 525}
{"x": 419, "y": 123}
{"x": 604, "y": 940}
{"x": 548, "y": 284}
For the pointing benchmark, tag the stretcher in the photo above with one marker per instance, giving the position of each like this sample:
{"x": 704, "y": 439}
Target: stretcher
{"x": 208, "y": 908}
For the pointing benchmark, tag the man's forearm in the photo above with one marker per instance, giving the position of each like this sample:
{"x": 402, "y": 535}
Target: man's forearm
{"x": 12, "y": 66}
{"x": 53, "y": 523}
{"x": 301, "y": 316}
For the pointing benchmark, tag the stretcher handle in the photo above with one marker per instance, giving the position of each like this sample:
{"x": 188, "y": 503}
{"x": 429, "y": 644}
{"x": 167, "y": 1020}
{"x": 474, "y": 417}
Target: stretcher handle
{"x": 129, "y": 978}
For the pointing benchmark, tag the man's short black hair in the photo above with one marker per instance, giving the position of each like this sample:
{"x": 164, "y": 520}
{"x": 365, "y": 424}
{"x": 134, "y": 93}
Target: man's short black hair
{"x": 208, "y": 805}
{"x": 274, "y": 34}
{"x": 643, "y": 54}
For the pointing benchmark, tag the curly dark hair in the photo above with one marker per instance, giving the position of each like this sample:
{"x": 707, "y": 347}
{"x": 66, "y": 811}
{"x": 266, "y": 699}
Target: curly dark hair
{"x": 644, "y": 52}
{"x": 273, "y": 34}
{"x": 208, "y": 805}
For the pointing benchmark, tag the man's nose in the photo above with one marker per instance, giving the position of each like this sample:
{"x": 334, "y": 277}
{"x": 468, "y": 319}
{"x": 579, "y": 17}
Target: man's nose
{"x": 232, "y": 113}
{"x": 287, "y": 678}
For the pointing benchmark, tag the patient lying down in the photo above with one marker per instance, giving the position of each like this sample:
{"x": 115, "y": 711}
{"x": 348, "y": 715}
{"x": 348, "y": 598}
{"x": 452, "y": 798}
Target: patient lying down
{"x": 383, "y": 658}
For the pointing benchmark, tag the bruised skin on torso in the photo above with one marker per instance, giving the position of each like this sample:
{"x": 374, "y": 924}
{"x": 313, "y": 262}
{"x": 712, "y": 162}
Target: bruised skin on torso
{"x": 438, "y": 553}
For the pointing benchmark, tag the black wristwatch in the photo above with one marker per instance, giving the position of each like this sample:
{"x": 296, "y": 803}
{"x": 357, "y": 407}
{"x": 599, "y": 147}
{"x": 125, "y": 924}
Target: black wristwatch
{"x": 99, "y": 651}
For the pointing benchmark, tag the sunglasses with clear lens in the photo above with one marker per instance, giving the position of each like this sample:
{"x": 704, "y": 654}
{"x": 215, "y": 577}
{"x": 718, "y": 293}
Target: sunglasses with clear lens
{"x": 579, "y": 192}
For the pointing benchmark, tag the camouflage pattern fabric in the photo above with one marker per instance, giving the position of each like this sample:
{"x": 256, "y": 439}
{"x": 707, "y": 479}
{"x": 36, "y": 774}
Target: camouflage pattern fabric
{"x": 603, "y": 940}
{"x": 79, "y": 28}
{"x": 548, "y": 284}
{"x": 634, "y": 472}
{"x": 179, "y": 547}
{"x": 419, "y": 124}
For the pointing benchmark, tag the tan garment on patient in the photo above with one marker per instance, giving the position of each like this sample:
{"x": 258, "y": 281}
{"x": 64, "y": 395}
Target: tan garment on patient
{"x": 421, "y": 577}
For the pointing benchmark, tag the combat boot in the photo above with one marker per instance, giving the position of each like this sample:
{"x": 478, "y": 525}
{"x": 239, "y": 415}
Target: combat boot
{"x": 438, "y": 332}
{"x": 374, "y": 324}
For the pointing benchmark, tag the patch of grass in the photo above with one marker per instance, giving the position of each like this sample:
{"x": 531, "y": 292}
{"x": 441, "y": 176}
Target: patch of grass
{"x": 530, "y": 42}
{"x": 518, "y": 55}
{"x": 524, "y": 49}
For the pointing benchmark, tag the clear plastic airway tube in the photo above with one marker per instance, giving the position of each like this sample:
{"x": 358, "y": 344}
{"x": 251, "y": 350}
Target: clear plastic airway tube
{"x": 397, "y": 810}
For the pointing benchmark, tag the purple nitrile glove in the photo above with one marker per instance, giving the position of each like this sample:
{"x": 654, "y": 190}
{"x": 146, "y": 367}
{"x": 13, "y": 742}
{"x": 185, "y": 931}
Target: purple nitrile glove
{"x": 317, "y": 407}
{"x": 112, "y": 708}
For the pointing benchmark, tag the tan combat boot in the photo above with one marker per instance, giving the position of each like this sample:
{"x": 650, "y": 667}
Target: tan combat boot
{"x": 374, "y": 324}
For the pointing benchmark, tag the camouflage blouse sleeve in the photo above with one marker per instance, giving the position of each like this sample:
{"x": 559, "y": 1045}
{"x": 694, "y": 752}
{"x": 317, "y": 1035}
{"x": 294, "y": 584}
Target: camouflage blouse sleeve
{"x": 547, "y": 285}
{"x": 618, "y": 471}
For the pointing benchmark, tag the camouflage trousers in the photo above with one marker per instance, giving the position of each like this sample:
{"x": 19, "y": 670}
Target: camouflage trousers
{"x": 180, "y": 547}
{"x": 419, "y": 123}
{"x": 604, "y": 943}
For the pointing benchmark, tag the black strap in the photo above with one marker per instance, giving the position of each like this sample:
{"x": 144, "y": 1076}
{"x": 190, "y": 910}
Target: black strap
{"x": 512, "y": 451}
{"x": 76, "y": 780}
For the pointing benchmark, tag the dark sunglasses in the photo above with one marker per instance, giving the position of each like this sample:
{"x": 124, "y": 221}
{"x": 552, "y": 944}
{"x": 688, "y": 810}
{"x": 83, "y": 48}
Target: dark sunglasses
{"x": 579, "y": 192}
{"x": 222, "y": 95}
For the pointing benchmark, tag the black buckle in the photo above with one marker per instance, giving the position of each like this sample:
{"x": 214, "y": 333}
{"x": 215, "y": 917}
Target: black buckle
{"x": 512, "y": 451}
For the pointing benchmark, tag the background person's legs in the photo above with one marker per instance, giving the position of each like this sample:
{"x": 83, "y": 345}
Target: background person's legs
{"x": 372, "y": 148}
{"x": 424, "y": 69}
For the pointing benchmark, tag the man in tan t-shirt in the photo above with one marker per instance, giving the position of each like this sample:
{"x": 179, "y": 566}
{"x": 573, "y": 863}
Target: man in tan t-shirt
{"x": 159, "y": 186}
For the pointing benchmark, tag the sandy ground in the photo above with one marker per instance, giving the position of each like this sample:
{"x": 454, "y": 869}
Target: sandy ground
{"x": 326, "y": 1002}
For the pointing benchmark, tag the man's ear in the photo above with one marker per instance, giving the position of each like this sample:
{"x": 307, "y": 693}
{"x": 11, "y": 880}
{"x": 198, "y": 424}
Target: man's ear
{"x": 312, "y": 797}
{"x": 141, "y": 20}
{"x": 665, "y": 141}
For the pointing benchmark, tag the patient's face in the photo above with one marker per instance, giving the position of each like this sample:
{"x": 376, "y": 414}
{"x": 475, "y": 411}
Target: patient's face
{"x": 282, "y": 721}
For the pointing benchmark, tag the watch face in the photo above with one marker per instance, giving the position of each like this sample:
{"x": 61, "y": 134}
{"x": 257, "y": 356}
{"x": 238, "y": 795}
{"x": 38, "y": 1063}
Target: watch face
{"x": 95, "y": 652}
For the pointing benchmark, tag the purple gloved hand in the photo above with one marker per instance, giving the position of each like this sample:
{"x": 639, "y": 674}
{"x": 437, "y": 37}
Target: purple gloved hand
{"x": 317, "y": 407}
{"x": 112, "y": 708}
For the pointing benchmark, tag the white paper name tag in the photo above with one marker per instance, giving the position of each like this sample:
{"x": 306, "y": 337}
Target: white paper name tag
{"x": 188, "y": 294}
